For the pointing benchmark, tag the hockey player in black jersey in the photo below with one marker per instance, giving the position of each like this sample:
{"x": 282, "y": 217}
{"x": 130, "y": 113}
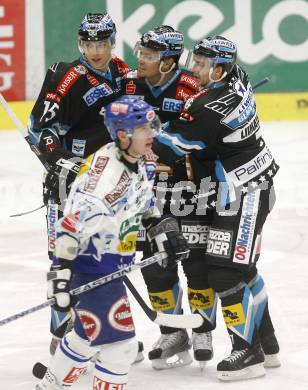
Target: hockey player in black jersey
{"x": 67, "y": 118}
{"x": 161, "y": 83}
{"x": 221, "y": 125}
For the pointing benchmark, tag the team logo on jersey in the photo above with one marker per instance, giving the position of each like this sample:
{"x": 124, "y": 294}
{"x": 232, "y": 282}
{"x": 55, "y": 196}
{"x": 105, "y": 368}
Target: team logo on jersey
{"x": 70, "y": 221}
{"x": 130, "y": 88}
{"x": 219, "y": 243}
{"x": 74, "y": 374}
{"x": 96, "y": 93}
{"x": 95, "y": 173}
{"x": 91, "y": 324}
{"x": 52, "y": 218}
{"x": 127, "y": 245}
{"x": 188, "y": 80}
{"x": 252, "y": 168}
{"x": 225, "y": 105}
{"x": 123, "y": 68}
{"x": 92, "y": 80}
{"x": 195, "y": 233}
{"x": 172, "y": 105}
{"x": 183, "y": 93}
{"x": 68, "y": 80}
{"x": 120, "y": 316}
{"x": 245, "y": 235}
{"x": 81, "y": 69}
{"x": 53, "y": 97}
{"x": 54, "y": 66}
{"x": 116, "y": 194}
{"x": 239, "y": 88}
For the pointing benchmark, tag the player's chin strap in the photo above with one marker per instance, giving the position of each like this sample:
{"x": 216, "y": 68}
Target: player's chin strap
{"x": 216, "y": 81}
{"x": 126, "y": 150}
{"x": 163, "y": 73}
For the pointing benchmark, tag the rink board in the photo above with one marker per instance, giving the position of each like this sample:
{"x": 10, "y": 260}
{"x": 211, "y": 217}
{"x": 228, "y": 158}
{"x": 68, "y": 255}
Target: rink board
{"x": 271, "y": 107}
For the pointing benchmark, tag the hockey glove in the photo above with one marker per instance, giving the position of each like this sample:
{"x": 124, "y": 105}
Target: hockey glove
{"x": 58, "y": 279}
{"x": 166, "y": 238}
{"x": 61, "y": 176}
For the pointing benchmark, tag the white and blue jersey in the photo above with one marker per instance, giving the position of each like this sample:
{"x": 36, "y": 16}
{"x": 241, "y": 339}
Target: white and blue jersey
{"x": 102, "y": 216}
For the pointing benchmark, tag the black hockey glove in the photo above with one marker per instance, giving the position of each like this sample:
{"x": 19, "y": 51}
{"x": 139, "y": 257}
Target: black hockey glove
{"x": 166, "y": 239}
{"x": 58, "y": 279}
{"x": 61, "y": 176}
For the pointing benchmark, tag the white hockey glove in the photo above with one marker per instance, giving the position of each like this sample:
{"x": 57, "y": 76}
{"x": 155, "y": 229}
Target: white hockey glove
{"x": 166, "y": 239}
{"x": 58, "y": 279}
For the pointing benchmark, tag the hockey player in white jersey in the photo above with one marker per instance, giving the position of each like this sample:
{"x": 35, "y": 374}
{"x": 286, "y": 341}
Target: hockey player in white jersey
{"x": 96, "y": 236}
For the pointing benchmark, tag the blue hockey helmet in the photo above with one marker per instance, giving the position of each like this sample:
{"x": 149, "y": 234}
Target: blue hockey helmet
{"x": 126, "y": 113}
{"x": 219, "y": 49}
{"x": 97, "y": 27}
{"x": 166, "y": 40}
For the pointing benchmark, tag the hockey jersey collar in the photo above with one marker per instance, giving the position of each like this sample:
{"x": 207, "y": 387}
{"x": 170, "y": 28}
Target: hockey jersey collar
{"x": 107, "y": 75}
{"x": 156, "y": 91}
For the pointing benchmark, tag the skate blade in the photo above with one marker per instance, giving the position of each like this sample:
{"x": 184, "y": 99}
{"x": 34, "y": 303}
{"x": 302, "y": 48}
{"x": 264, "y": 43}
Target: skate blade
{"x": 272, "y": 361}
{"x": 178, "y": 360}
{"x": 254, "y": 371}
{"x": 202, "y": 365}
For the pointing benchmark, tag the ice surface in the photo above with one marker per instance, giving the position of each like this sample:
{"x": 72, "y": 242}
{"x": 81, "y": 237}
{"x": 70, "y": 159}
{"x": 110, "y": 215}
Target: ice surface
{"x": 283, "y": 264}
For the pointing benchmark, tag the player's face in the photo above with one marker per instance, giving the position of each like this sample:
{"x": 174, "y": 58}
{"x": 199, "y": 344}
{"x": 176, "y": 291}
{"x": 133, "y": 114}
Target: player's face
{"x": 201, "y": 69}
{"x": 148, "y": 62}
{"x": 98, "y": 54}
{"x": 142, "y": 140}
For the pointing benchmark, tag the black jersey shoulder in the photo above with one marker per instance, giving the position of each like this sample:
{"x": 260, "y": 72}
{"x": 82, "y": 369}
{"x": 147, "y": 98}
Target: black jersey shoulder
{"x": 118, "y": 67}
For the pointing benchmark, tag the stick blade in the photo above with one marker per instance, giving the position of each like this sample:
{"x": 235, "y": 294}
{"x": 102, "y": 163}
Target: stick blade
{"x": 188, "y": 321}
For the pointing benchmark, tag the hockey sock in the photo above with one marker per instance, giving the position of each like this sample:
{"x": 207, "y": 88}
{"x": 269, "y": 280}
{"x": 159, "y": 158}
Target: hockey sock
{"x": 71, "y": 359}
{"x": 104, "y": 378}
{"x": 238, "y": 312}
{"x": 204, "y": 301}
{"x": 260, "y": 302}
{"x": 167, "y": 301}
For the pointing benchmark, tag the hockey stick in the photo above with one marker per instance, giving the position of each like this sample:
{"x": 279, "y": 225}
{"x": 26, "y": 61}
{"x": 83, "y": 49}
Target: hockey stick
{"x": 162, "y": 318}
{"x": 61, "y": 162}
{"x": 260, "y": 83}
{"x": 27, "y": 212}
{"x": 172, "y": 320}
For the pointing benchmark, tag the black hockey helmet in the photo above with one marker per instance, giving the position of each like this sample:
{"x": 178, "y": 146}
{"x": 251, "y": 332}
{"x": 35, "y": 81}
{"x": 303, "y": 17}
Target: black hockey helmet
{"x": 166, "y": 40}
{"x": 221, "y": 50}
{"x": 97, "y": 27}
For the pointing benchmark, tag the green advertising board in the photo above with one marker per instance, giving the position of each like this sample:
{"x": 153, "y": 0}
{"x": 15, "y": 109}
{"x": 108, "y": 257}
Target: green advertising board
{"x": 272, "y": 35}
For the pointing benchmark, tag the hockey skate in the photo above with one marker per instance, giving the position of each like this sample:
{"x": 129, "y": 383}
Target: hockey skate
{"x": 171, "y": 350}
{"x": 49, "y": 382}
{"x": 270, "y": 348}
{"x": 202, "y": 346}
{"x": 242, "y": 364}
{"x": 140, "y": 355}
